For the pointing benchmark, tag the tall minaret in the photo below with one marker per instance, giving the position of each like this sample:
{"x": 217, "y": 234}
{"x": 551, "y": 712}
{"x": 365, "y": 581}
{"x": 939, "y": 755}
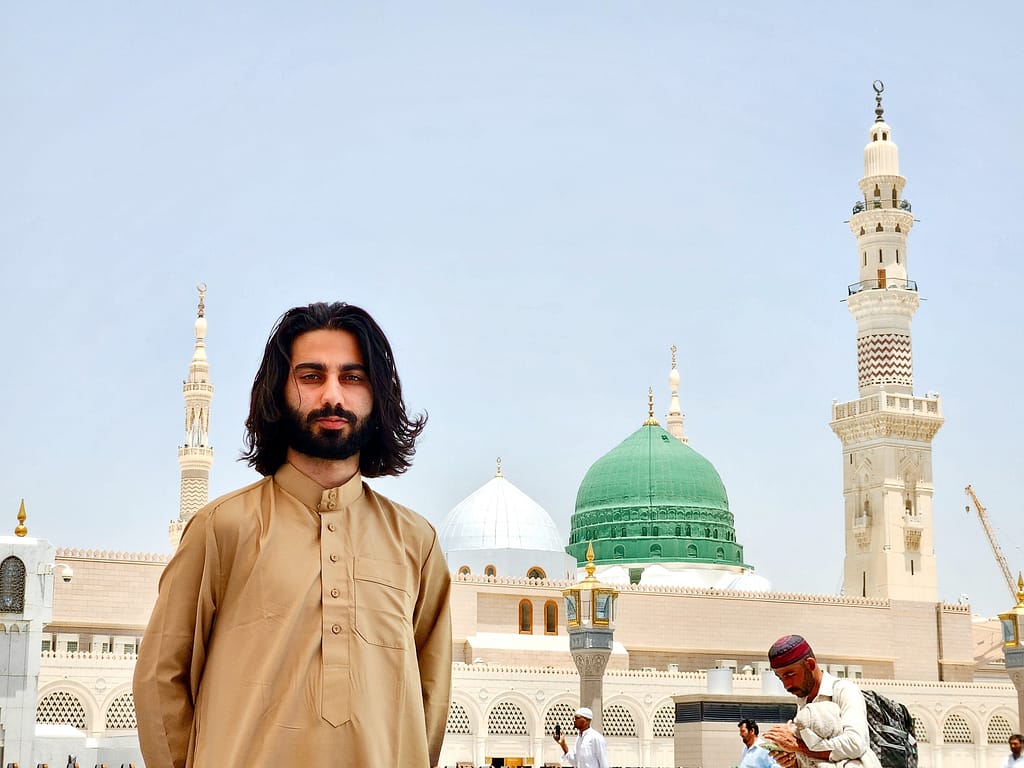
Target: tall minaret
{"x": 674, "y": 420}
{"x": 196, "y": 455}
{"x": 886, "y": 433}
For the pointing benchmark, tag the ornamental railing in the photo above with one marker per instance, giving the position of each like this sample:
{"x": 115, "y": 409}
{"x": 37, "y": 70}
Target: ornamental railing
{"x": 877, "y": 203}
{"x": 882, "y": 284}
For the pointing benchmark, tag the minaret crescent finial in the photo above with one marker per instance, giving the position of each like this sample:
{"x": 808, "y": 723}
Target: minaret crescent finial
{"x": 21, "y": 530}
{"x": 201, "y": 287}
{"x": 651, "y": 421}
{"x": 498, "y": 471}
{"x": 878, "y": 86}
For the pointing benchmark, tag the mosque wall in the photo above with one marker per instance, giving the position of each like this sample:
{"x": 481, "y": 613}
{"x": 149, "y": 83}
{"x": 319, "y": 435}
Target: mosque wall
{"x": 108, "y": 589}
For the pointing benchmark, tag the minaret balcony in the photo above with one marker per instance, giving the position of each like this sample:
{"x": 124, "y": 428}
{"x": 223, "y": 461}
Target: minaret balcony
{"x": 912, "y": 529}
{"x": 884, "y": 402}
{"x": 862, "y": 205}
{"x": 883, "y": 284}
{"x": 862, "y": 529}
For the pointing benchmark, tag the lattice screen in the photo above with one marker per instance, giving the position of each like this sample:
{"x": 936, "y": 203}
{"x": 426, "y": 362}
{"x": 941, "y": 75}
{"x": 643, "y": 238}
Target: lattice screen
{"x": 956, "y": 730}
{"x": 458, "y": 719}
{"x": 12, "y": 585}
{"x": 506, "y": 719}
{"x": 121, "y": 713}
{"x": 61, "y": 708}
{"x": 999, "y": 730}
{"x": 665, "y": 721}
{"x": 920, "y": 731}
{"x": 561, "y": 714}
{"x": 618, "y": 721}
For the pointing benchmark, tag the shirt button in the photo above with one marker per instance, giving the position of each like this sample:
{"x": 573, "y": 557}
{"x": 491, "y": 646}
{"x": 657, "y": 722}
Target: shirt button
{"x": 331, "y": 527}
{"x": 336, "y": 629}
{"x": 335, "y": 592}
{"x": 334, "y": 558}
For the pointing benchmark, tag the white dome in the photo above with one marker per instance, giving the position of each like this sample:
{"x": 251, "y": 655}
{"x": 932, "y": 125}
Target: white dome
{"x": 499, "y": 516}
{"x": 750, "y": 582}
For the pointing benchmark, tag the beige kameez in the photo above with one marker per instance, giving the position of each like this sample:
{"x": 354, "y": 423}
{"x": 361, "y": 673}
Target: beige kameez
{"x": 298, "y": 626}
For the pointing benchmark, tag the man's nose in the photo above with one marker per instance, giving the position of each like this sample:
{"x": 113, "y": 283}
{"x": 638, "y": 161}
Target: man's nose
{"x": 332, "y": 392}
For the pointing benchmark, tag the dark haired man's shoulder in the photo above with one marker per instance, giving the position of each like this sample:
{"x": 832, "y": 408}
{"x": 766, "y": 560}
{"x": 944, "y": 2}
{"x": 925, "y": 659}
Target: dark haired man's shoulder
{"x": 410, "y": 519}
{"x": 229, "y": 507}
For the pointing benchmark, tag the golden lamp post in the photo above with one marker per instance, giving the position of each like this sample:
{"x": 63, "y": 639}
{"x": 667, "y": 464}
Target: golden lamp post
{"x": 590, "y": 616}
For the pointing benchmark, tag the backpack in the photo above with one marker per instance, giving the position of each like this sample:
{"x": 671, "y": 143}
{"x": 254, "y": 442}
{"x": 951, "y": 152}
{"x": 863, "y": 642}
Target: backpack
{"x": 892, "y": 731}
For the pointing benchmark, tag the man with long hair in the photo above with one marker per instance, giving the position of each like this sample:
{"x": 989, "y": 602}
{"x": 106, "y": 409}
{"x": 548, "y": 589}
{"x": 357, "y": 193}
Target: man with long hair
{"x": 305, "y": 616}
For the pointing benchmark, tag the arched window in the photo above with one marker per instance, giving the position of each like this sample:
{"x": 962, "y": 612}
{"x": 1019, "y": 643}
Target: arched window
{"x": 550, "y": 618}
{"x": 879, "y": 228}
{"x": 619, "y": 552}
{"x": 691, "y": 550}
{"x": 654, "y": 530}
{"x": 490, "y": 570}
{"x": 12, "y": 585}
{"x": 720, "y": 553}
{"x": 623, "y": 532}
{"x": 643, "y": 531}
{"x": 525, "y": 617}
{"x": 464, "y": 570}
{"x": 688, "y": 530}
{"x": 679, "y": 530}
{"x": 895, "y": 202}
{"x": 536, "y": 573}
{"x": 655, "y": 550}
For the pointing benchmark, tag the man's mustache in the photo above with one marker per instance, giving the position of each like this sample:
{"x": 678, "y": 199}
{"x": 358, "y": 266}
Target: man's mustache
{"x": 329, "y": 411}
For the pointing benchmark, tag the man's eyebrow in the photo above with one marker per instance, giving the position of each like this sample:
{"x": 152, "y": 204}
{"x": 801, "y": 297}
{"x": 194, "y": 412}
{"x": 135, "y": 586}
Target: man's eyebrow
{"x": 322, "y": 367}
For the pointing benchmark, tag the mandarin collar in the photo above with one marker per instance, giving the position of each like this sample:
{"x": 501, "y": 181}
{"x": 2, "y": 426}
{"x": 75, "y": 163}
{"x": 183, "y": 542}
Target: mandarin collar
{"x": 315, "y": 496}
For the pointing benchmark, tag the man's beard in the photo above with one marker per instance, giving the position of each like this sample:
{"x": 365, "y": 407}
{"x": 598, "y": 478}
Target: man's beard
{"x": 330, "y": 444}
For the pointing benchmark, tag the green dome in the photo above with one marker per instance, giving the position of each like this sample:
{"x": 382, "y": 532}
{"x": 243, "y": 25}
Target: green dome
{"x": 653, "y": 499}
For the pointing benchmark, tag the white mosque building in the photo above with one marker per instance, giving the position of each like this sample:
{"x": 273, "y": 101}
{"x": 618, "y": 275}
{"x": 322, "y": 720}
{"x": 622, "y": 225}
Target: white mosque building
{"x": 656, "y": 513}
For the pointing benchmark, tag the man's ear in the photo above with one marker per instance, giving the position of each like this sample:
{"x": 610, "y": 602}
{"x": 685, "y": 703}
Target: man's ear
{"x": 812, "y": 663}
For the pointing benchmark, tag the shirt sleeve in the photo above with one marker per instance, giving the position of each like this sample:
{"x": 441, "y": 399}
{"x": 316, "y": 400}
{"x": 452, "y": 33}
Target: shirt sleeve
{"x": 853, "y": 740}
{"x": 432, "y": 627}
{"x": 173, "y": 649}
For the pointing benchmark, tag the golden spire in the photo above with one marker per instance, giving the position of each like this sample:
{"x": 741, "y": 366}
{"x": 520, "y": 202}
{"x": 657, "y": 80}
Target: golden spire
{"x": 651, "y": 421}
{"x": 674, "y": 350}
{"x": 21, "y": 530}
{"x": 1020, "y": 590}
{"x": 498, "y": 472}
{"x": 201, "y": 287}
{"x": 590, "y": 567}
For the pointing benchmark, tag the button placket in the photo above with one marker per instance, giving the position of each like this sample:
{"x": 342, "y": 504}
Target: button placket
{"x": 335, "y": 596}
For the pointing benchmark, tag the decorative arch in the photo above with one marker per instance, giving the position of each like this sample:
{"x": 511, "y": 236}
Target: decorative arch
{"x": 508, "y": 718}
{"x": 550, "y": 617}
{"x": 956, "y": 730}
{"x": 525, "y": 617}
{"x": 999, "y": 730}
{"x": 62, "y": 708}
{"x": 559, "y": 713}
{"x": 465, "y": 570}
{"x": 665, "y": 721}
{"x": 120, "y": 714}
{"x": 458, "y": 720}
{"x": 12, "y": 585}
{"x": 618, "y": 720}
{"x": 490, "y": 570}
{"x": 536, "y": 572}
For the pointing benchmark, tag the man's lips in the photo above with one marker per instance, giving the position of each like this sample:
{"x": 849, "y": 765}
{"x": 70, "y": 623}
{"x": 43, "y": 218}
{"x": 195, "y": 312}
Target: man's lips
{"x": 332, "y": 422}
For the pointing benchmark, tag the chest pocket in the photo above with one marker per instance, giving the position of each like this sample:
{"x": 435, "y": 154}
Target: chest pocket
{"x": 383, "y": 606}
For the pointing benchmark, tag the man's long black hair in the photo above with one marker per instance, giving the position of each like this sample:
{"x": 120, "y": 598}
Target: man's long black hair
{"x": 393, "y": 443}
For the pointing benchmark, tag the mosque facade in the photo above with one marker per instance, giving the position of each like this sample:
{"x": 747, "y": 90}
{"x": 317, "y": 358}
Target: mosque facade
{"x": 657, "y": 514}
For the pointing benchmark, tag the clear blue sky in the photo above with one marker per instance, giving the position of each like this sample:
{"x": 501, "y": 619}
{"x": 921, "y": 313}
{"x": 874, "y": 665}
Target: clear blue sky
{"x": 536, "y": 200}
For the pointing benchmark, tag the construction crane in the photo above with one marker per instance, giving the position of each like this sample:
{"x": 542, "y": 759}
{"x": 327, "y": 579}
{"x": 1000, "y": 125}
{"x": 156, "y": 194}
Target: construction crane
{"x": 996, "y": 550}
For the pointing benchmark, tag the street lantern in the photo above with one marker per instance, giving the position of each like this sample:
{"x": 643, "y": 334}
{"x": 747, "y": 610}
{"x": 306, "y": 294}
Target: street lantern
{"x": 590, "y": 616}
